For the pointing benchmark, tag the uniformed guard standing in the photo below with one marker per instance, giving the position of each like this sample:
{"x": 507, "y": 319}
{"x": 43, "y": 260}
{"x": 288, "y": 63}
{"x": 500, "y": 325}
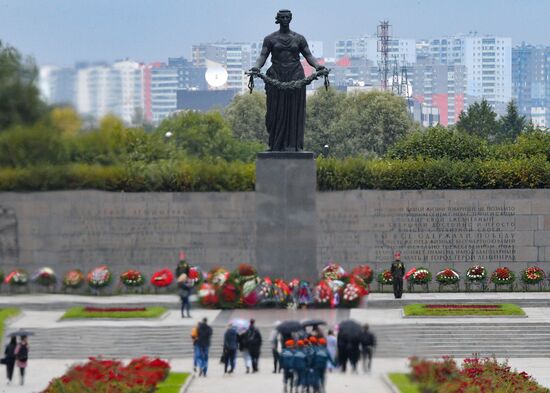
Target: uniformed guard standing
{"x": 397, "y": 272}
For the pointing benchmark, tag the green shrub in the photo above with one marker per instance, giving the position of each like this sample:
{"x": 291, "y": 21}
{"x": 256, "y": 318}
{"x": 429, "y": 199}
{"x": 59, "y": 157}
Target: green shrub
{"x": 439, "y": 142}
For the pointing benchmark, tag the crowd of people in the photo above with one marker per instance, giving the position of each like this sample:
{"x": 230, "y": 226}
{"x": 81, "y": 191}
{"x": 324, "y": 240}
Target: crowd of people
{"x": 302, "y": 356}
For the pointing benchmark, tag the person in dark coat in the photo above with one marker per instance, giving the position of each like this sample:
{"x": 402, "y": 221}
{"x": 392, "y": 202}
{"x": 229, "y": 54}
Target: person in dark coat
{"x": 203, "y": 346}
{"x": 397, "y": 272}
{"x": 184, "y": 291}
{"x": 22, "y": 357}
{"x": 230, "y": 344}
{"x": 9, "y": 358}
{"x": 368, "y": 342}
{"x": 253, "y": 339}
{"x": 348, "y": 349}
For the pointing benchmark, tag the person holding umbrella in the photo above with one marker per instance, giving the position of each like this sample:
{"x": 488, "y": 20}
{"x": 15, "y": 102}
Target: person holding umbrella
{"x": 397, "y": 272}
{"x": 22, "y": 356}
{"x": 253, "y": 339}
{"x": 9, "y": 358}
{"x": 349, "y": 335}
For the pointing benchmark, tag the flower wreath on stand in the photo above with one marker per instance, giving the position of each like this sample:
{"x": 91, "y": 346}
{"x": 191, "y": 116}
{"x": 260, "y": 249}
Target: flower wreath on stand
{"x": 532, "y": 275}
{"x": 476, "y": 273}
{"x": 447, "y": 276}
{"x": 363, "y": 275}
{"x": 266, "y": 293}
{"x": 503, "y": 276}
{"x": 132, "y": 278}
{"x": 419, "y": 276}
{"x": 17, "y": 278}
{"x": 243, "y": 273}
{"x": 99, "y": 277}
{"x": 282, "y": 293}
{"x": 217, "y": 276}
{"x": 333, "y": 271}
{"x": 73, "y": 279}
{"x": 385, "y": 277}
{"x": 302, "y": 294}
{"x": 162, "y": 278}
{"x": 44, "y": 277}
{"x": 207, "y": 295}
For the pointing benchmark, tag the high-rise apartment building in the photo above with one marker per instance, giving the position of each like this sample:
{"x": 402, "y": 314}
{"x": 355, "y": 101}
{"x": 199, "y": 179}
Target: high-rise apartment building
{"x": 57, "y": 85}
{"x": 98, "y": 92}
{"x": 401, "y": 49}
{"x": 131, "y": 90}
{"x": 488, "y": 61}
{"x": 531, "y": 82}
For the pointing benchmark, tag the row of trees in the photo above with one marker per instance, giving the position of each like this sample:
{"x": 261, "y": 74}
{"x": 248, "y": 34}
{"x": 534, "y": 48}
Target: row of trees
{"x": 374, "y": 124}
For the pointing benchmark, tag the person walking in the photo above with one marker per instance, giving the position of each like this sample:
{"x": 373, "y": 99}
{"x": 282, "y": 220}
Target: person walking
{"x": 230, "y": 344}
{"x": 321, "y": 359}
{"x": 299, "y": 363}
{"x": 254, "y": 344}
{"x": 9, "y": 358}
{"x": 286, "y": 362}
{"x": 276, "y": 347}
{"x": 332, "y": 346}
{"x": 397, "y": 272}
{"x": 22, "y": 357}
{"x": 368, "y": 342}
{"x": 243, "y": 347}
{"x": 203, "y": 343}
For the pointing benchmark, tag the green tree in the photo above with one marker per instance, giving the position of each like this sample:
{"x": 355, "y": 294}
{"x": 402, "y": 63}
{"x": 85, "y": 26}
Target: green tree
{"x": 479, "y": 119}
{"x": 206, "y": 135}
{"x": 19, "y": 97}
{"x": 323, "y": 111}
{"x": 246, "y": 117}
{"x": 512, "y": 124}
{"x": 370, "y": 123}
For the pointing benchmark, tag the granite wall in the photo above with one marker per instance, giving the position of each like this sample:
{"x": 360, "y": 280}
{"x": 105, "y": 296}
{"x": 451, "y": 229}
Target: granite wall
{"x": 69, "y": 229}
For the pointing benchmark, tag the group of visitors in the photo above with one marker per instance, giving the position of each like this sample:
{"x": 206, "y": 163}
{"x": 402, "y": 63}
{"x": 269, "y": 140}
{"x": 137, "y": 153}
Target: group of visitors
{"x": 16, "y": 354}
{"x": 248, "y": 342}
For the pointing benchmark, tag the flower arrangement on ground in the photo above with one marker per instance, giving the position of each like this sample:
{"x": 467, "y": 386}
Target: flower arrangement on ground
{"x": 532, "y": 275}
{"x": 333, "y": 271}
{"x": 420, "y": 275}
{"x": 208, "y": 295}
{"x": 18, "y": 277}
{"x": 364, "y": 272}
{"x": 302, "y": 294}
{"x": 476, "y": 273}
{"x": 352, "y": 295}
{"x": 217, "y": 276}
{"x": 132, "y": 278}
{"x": 322, "y": 294}
{"x": 103, "y": 375}
{"x": 503, "y": 276}
{"x": 447, "y": 276}
{"x": 99, "y": 277}
{"x": 163, "y": 278}
{"x": 44, "y": 277}
{"x": 385, "y": 277}
{"x": 194, "y": 277}
{"x": 229, "y": 294}
{"x": 73, "y": 279}
{"x": 243, "y": 273}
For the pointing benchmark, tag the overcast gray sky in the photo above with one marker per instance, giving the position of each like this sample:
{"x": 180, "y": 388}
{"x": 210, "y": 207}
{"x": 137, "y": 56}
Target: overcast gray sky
{"x": 64, "y": 31}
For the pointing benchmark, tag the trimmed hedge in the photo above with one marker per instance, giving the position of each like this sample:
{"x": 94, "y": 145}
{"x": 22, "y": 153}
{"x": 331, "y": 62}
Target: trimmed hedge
{"x": 332, "y": 174}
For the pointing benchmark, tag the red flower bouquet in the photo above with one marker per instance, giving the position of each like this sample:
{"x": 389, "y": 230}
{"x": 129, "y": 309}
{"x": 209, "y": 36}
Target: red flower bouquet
{"x": 99, "y": 277}
{"x": 44, "y": 276}
{"x": 208, "y": 295}
{"x": 322, "y": 294}
{"x": 352, "y": 295}
{"x": 229, "y": 294}
{"x": 420, "y": 275}
{"x": 162, "y": 278}
{"x": 132, "y": 278}
{"x": 532, "y": 275}
{"x": 476, "y": 273}
{"x": 18, "y": 277}
{"x": 73, "y": 279}
{"x": 364, "y": 272}
{"x": 447, "y": 277}
{"x": 385, "y": 277}
{"x": 333, "y": 271}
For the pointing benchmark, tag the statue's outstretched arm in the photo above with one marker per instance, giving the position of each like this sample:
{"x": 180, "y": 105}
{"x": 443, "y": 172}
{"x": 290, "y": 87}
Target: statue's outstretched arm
{"x": 309, "y": 56}
{"x": 263, "y": 56}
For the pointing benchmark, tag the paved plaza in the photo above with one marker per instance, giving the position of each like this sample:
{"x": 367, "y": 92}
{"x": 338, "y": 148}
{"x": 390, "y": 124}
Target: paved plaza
{"x": 50, "y": 356}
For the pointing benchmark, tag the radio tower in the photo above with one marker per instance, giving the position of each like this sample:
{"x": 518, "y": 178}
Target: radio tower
{"x": 383, "y": 34}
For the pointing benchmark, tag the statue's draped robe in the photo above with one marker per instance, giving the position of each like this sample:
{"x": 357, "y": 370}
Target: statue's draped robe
{"x": 286, "y": 108}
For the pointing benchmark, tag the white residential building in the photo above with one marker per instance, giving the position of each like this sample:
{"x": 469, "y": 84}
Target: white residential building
{"x": 131, "y": 90}
{"x": 98, "y": 91}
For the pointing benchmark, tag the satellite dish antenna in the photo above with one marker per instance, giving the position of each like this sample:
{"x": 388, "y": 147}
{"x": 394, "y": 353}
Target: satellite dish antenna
{"x": 216, "y": 76}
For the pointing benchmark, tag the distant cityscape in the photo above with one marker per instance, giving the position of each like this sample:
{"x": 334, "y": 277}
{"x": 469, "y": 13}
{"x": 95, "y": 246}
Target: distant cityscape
{"x": 439, "y": 77}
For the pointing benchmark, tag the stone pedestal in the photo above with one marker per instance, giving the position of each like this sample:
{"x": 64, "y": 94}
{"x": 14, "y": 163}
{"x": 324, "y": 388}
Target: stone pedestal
{"x": 286, "y": 215}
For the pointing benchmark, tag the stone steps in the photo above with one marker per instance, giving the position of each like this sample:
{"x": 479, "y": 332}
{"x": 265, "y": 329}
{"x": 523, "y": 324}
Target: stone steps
{"x": 433, "y": 340}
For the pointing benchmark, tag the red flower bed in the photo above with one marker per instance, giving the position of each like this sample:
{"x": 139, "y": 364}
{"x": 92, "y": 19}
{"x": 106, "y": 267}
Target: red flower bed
{"x": 464, "y": 306}
{"x": 102, "y": 375}
{"x": 113, "y": 309}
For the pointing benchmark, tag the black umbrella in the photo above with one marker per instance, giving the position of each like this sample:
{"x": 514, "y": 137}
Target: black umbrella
{"x": 350, "y": 328}
{"x": 289, "y": 327}
{"x": 313, "y": 322}
{"x": 21, "y": 333}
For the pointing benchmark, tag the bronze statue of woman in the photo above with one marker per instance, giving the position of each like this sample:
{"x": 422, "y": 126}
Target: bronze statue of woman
{"x": 286, "y": 84}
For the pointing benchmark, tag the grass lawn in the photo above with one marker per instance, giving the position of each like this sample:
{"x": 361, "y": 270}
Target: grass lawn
{"x": 173, "y": 383}
{"x": 451, "y": 310}
{"x": 80, "y": 312}
{"x": 6, "y": 313}
{"x": 403, "y": 383}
